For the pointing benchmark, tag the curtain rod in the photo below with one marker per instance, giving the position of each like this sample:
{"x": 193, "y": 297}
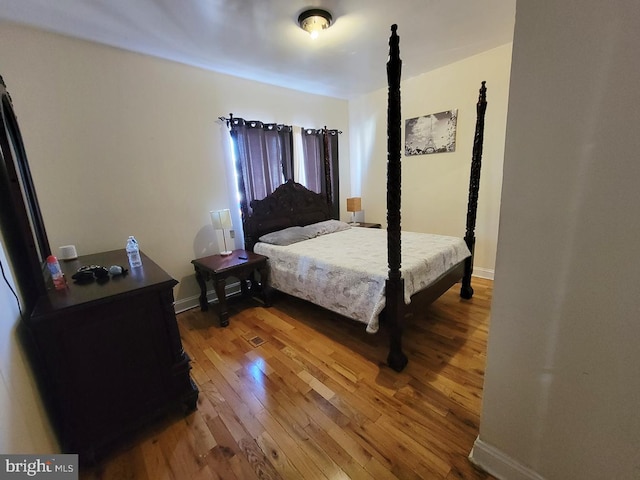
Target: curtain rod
{"x": 327, "y": 129}
{"x": 228, "y": 120}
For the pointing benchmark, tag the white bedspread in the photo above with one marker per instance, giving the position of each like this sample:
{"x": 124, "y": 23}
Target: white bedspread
{"x": 346, "y": 271}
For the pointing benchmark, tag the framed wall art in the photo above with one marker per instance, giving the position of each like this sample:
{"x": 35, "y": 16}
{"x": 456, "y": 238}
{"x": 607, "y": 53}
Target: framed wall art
{"x": 434, "y": 133}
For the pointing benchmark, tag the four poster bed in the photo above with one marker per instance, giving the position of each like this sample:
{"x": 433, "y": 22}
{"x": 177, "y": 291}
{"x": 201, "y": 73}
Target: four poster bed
{"x": 343, "y": 268}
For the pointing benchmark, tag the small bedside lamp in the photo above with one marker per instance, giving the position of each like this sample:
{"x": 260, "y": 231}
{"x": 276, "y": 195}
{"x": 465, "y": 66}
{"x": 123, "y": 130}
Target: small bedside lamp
{"x": 354, "y": 204}
{"x": 221, "y": 220}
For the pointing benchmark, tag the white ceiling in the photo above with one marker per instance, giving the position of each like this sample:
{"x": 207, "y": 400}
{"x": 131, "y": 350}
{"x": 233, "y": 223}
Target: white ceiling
{"x": 260, "y": 39}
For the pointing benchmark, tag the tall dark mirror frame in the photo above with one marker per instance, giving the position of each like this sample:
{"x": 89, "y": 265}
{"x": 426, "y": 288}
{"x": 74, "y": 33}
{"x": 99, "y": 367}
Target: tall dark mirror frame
{"x": 23, "y": 231}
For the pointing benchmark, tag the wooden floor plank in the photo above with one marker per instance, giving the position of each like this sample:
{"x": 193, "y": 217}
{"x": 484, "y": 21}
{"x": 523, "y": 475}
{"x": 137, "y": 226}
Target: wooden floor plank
{"x": 311, "y": 397}
{"x": 295, "y": 452}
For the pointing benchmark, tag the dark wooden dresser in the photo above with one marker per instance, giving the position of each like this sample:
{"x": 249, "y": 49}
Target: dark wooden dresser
{"x": 108, "y": 354}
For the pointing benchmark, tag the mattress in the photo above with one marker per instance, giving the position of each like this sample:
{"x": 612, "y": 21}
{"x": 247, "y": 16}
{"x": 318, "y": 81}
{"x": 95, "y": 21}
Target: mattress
{"x": 346, "y": 271}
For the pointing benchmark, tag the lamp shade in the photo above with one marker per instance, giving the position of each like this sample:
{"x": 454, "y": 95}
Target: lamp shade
{"x": 354, "y": 204}
{"x": 221, "y": 219}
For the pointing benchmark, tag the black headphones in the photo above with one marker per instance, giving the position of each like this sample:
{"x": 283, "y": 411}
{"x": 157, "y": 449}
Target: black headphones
{"x": 89, "y": 273}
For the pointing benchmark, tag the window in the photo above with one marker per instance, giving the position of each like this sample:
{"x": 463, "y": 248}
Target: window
{"x": 264, "y": 160}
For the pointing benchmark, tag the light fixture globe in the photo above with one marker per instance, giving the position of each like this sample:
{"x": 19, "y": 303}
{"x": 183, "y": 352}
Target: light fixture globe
{"x": 314, "y": 21}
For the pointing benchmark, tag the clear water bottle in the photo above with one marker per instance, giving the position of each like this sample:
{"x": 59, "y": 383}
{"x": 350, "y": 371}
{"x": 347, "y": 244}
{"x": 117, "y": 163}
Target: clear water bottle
{"x": 133, "y": 252}
{"x": 56, "y": 273}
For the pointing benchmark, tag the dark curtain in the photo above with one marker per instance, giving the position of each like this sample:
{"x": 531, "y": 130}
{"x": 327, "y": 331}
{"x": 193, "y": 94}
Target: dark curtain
{"x": 320, "y": 163}
{"x": 264, "y": 156}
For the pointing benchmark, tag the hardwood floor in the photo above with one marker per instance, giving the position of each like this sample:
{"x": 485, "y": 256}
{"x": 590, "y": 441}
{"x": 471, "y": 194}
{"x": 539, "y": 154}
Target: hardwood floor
{"x": 296, "y": 392}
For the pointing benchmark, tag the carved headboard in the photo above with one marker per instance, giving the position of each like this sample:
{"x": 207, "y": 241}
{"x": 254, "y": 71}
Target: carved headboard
{"x": 291, "y": 204}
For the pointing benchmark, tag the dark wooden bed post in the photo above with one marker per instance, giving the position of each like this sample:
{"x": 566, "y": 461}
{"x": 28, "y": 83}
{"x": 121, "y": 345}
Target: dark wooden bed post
{"x": 474, "y": 185}
{"x": 327, "y": 167}
{"x": 395, "y": 283}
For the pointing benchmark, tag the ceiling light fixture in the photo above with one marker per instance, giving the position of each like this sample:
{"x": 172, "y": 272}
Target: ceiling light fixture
{"x": 314, "y": 21}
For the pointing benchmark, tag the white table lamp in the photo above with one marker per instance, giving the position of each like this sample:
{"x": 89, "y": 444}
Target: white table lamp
{"x": 221, "y": 220}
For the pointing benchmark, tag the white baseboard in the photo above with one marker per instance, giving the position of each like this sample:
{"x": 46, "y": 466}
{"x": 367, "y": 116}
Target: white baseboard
{"x": 483, "y": 273}
{"x": 188, "y": 303}
{"x": 495, "y": 462}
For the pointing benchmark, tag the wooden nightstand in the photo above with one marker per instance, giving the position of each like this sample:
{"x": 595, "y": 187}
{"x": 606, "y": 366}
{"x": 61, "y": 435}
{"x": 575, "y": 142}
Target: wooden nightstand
{"x": 368, "y": 225}
{"x": 241, "y": 265}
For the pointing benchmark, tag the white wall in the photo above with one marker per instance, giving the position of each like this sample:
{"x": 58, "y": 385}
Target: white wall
{"x": 121, "y": 144}
{"x": 562, "y": 384}
{"x": 124, "y": 144}
{"x": 24, "y": 426}
{"x": 435, "y": 187}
